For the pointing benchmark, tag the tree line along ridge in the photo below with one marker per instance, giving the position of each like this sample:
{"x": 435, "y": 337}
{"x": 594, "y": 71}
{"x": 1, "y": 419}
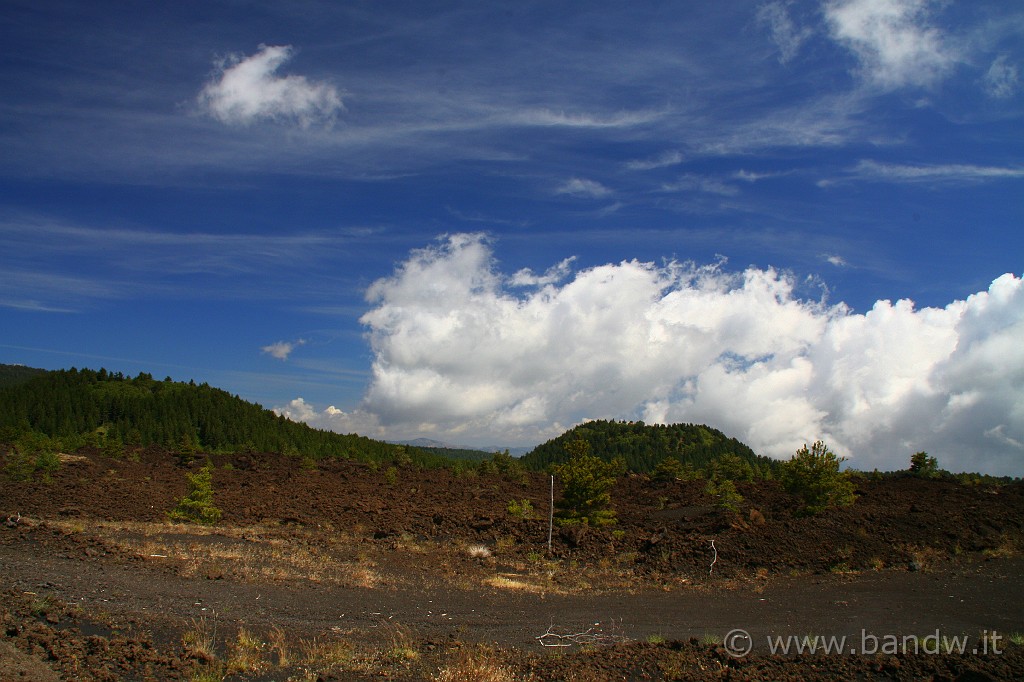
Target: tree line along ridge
{"x": 82, "y": 407}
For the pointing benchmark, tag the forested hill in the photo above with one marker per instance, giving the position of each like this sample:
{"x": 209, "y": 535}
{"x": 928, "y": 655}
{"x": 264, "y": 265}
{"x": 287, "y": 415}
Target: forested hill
{"x": 12, "y": 375}
{"x": 108, "y": 408}
{"x": 643, "y": 446}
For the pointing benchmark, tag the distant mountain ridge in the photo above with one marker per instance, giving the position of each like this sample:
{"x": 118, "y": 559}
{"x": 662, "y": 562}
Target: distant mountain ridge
{"x": 426, "y": 443}
{"x": 432, "y": 444}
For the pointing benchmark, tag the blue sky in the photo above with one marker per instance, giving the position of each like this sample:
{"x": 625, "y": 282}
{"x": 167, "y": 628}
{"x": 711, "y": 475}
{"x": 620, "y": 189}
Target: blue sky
{"x": 485, "y": 222}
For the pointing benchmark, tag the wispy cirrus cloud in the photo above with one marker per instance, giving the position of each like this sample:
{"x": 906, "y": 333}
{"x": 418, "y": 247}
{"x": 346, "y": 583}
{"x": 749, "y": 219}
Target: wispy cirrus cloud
{"x": 784, "y": 31}
{"x": 699, "y": 183}
{"x": 127, "y": 262}
{"x": 560, "y": 118}
{"x": 753, "y": 176}
{"x": 583, "y": 188}
{"x": 665, "y": 159}
{"x": 246, "y": 90}
{"x": 183, "y": 252}
{"x": 956, "y": 173}
{"x": 1002, "y": 80}
{"x": 51, "y": 291}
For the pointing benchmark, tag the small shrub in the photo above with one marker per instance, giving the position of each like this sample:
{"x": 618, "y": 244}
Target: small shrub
{"x": 522, "y": 509}
{"x": 197, "y": 506}
{"x": 32, "y": 453}
{"x": 187, "y": 450}
{"x": 20, "y": 464}
{"x": 668, "y": 470}
{"x": 47, "y": 462}
{"x": 402, "y": 457}
{"x": 730, "y": 467}
{"x": 507, "y": 465}
{"x": 813, "y": 475}
{"x": 113, "y": 447}
{"x": 391, "y": 475}
{"x": 725, "y": 492}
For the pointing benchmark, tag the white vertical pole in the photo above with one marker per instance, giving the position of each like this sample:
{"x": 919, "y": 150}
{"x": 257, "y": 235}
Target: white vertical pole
{"x": 551, "y": 513}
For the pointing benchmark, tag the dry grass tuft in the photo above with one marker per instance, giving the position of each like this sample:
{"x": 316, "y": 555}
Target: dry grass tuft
{"x": 279, "y": 645}
{"x": 65, "y": 458}
{"x": 478, "y": 551}
{"x": 505, "y": 583}
{"x": 327, "y": 655}
{"x": 403, "y": 645}
{"x": 477, "y": 664}
{"x": 245, "y": 654}
{"x": 923, "y": 558}
{"x": 1007, "y": 548}
{"x": 200, "y": 640}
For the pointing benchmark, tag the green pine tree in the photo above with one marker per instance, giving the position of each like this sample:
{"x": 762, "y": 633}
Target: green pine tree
{"x": 813, "y": 475}
{"x": 197, "y": 506}
{"x": 587, "y": 482}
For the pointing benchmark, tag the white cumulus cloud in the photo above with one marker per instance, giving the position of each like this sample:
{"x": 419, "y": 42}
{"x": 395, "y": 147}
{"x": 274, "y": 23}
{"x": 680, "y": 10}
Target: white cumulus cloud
{"x": 467, "y": 354}
{"x": 246, "y": 90}
{"x": 282, "y": 349}
{"x": 893, "y": 40}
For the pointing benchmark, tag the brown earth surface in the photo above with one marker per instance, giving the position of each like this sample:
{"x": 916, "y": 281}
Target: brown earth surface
{"x": 335, "y": 573}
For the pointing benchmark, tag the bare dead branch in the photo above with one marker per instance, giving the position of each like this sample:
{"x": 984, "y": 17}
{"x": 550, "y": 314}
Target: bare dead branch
{"x": 592, "y": 636}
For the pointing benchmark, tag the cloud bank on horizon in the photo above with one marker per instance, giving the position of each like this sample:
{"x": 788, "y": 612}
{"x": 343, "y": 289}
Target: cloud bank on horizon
{"x": 464, "y": 352}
